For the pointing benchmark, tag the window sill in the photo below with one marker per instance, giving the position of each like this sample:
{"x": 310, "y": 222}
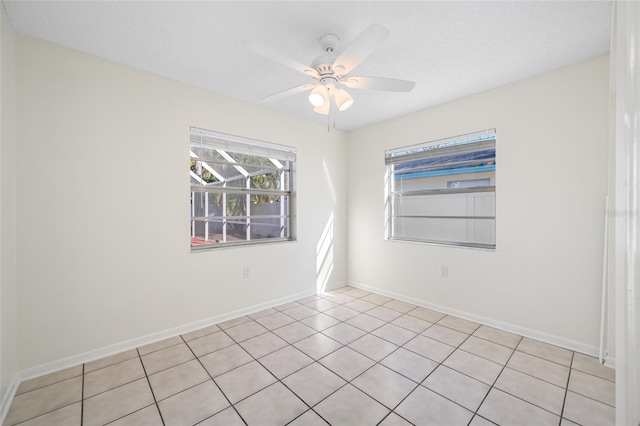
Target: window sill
{"x": 209, "y": 247}
{"x": 481, "y": 247}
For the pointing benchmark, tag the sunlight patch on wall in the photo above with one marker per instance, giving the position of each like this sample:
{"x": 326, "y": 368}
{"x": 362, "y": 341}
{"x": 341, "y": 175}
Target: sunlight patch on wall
{"x": 324, "y": 256}
{"x": 329, "y": 181}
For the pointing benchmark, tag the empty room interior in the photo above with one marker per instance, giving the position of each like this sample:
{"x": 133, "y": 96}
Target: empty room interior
{"x": 396, "y": 213}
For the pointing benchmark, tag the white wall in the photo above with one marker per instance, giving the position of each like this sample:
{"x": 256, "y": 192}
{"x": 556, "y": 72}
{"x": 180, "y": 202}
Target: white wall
{"x": 8, "y": 287}
{"x": 544, "y": 276}
{"x": 100, "y": 143}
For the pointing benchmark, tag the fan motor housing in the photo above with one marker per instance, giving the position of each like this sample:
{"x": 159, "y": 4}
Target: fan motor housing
{"x": 324, "y": 69}
{"x": 324, "y": 63}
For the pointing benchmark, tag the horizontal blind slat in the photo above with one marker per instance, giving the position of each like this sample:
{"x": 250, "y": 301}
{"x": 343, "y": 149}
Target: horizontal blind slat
{"x": 214, "y": 140}
{"x": 454, "y": 145}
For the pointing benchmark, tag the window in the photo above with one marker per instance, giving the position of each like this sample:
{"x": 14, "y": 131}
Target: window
{"x": 443, "y": 192}
{"x": 241, "y": 190}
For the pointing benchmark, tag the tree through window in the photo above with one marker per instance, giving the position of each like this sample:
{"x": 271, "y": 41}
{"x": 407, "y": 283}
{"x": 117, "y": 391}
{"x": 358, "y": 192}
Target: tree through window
{"x": 241, "y": 190}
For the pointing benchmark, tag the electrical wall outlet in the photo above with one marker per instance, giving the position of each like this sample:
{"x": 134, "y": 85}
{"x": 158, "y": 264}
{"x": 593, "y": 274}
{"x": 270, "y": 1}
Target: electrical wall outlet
{"x": 444, "y": 271}
{"x": 246, "y": 272}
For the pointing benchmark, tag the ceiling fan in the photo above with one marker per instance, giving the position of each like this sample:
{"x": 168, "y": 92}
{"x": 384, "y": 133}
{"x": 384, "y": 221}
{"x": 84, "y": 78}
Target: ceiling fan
{"x": 331, "y": 71}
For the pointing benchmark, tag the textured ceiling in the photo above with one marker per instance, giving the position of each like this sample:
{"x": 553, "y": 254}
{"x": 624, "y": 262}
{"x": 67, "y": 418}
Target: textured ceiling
{"x": 450, "y": 49}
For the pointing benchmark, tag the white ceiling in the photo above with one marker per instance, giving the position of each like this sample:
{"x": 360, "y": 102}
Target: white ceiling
{"x": 450, "y": 49}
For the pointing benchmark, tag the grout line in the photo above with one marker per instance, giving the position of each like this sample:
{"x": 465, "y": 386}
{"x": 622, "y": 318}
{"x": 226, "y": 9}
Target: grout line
{"x": 50, "y": 384}
{"x": 347, "y": 382}
{"x": 107, "y": 366}
{"x": 150, "y": 387}
{"x": 524, "y": 400}
{"x": 277, "y": 379}
{"x": 214, "y": 382}
{"x": 487, "y": 359}
{"x": 303, "y": 413}
{"x": 280, "y": 381}
{"x": 417, "y": 385}
{"x": 536, "y": 377}
{"x": 350, "y": 382}
{"x": 115, "y": 387}
{"x": 441, "y": 363}
{"x": 82, "y": 399}
{"x": 495, "y": 343}
{"x": 134, "y": 380}
{"x": 548, "y": 360}
{"x": 594, "y": 399}
{"x": 31, "y": 419}
{"x": 529, "y": 402}
{"x": 393, "y": 412}
{"x": 475, "y": 413}
{"x": 566, "y": 390}
{"x": 290, "y": 374}
{"x": 375, "y": 362}
{"x": 147, "y": 353}
{"x": 124, "y": 416}
{"x": 201, "y": 336}
{"x": 593, "y": 375}
{"x": 504, "y": 366}
{"x": 165, "y": 369}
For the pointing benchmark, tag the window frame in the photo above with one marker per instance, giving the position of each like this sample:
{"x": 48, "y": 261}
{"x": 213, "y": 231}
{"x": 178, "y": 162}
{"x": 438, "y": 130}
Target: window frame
{"x": 220, "y": 161}
{"x": 439, "y": 149}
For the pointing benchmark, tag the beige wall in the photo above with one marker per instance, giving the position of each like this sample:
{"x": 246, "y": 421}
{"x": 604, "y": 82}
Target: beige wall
{"x": 544, "y": 277}
{"x": 103, "y": 205}
{"x": 8, "y": 284}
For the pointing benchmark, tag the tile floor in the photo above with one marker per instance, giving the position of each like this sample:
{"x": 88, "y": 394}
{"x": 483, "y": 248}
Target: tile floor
{"x": 348, "y": 357}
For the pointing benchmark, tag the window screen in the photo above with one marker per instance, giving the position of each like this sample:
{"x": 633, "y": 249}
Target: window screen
{"x": 241, "y": 190}
{"x": 443, "y": 191}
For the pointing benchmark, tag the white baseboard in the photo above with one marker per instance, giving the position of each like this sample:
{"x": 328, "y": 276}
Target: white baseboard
{"x": 336, "y": 285}
{"x": 94, "y": 354}
{"x": 610, "y": 362}
{"x": 522, "y": 331}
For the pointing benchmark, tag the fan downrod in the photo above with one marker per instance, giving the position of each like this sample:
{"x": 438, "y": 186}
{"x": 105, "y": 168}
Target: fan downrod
{"x": 329, "y": 42}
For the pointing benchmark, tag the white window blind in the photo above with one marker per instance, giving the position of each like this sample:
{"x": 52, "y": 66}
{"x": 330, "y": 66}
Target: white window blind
{"x": 443, "y": 192}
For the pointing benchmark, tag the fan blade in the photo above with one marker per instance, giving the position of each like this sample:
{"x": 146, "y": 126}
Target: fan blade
{"x": 361, "y": 47}
{"x": 379, "y": 83}
{"x": 281, "y": 59}
{"x": 289, "y": 92}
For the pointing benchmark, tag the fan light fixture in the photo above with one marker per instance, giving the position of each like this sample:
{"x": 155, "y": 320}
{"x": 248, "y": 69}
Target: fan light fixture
{"x": 324, "y": 109}
{"x": 318, "y": 96}
{"x": 343, "y": 99}
{"x": 321, "y": 97}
